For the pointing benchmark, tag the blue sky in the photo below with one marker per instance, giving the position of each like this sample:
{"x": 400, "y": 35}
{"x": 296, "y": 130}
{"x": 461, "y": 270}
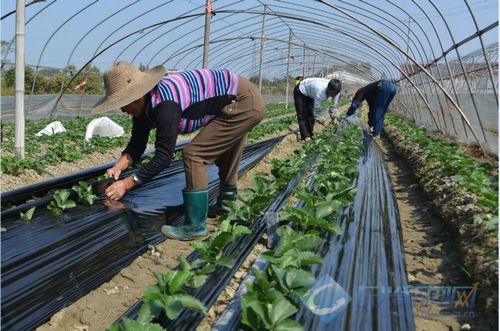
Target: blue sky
{"x": 177, "y": 43}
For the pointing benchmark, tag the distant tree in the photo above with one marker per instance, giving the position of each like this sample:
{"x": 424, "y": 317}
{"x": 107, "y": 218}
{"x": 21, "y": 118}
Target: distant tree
{"x": 6, "y": 51}
{"x": 49, "y": 72}
{"x": 9, "y": 77}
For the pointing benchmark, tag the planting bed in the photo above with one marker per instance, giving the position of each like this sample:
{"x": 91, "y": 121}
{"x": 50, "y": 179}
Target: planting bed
{"x": 463, "y": 191}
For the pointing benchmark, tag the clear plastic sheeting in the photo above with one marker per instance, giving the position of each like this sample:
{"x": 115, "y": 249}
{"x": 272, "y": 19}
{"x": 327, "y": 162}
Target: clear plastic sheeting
{"x": 70, "y": 106}
{"x": 50, "y": 261}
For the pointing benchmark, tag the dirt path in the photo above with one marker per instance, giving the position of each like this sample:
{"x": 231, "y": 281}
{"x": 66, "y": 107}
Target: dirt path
{"x": 101, "y": 307}
{"x": 431, "y": 256}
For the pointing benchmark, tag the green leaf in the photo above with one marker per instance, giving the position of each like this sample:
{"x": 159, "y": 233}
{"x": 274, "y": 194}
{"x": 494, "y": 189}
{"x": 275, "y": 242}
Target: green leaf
{"x": 63, "y": 195}
{"x": 191, "y": 303}
{"x": 185, "y": 266}
{"x": 296, "y": 278}
{"x": 178, "y": 280}
{"x": 260, "y": 310}
{"x": 152, "y": 292}
{"x": 288, "y": 325}
{"x": 325, "y": 209}
{"x": 197, "y": 281}
{"x": 145, "y": 315}
{"x": 69, "y": 204}
{"x": 225, "y": 261}
{"x": 28, "y": 215}
{"x": 240, "y": 230}
{"x": 281, "y": 310}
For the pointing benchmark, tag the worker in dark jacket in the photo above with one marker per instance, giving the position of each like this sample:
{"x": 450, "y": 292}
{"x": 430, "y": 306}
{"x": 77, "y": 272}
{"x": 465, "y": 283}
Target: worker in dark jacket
{"x": 224, "y": 103}
{"x": 378, "y": 95}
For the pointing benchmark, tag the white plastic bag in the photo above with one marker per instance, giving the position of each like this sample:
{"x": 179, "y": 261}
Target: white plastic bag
{"x": 104, "y": 127}
{"x": 52, "y": 128}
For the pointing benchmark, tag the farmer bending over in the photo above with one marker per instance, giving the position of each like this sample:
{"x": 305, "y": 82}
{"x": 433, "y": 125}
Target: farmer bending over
{"x": 308, "y": 95}
{"x": 378, "y": 95}
{"x": 224, "y": 103}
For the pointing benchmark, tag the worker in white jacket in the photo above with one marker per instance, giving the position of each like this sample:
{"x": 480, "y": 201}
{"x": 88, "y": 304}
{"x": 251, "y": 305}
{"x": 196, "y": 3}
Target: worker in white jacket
{"x": 308, "y": 96}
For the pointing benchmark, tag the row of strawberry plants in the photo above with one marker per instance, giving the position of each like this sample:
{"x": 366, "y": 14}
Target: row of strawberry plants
{"x": 449, "y": 160}
{"x": 173, "y": 291}
{"x": 274, "y": 297}
{"x": 61, "y": 198}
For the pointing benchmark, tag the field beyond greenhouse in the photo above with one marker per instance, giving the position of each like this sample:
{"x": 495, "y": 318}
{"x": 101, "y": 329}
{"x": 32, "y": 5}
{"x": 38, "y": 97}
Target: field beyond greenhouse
{"x": 351, "y": 157}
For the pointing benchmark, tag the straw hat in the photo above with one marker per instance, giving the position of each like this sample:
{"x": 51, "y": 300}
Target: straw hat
{"x": 124, "y": 84}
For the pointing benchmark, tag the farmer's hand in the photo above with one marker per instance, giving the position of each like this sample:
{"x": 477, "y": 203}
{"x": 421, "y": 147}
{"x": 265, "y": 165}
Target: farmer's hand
{"x": 325, "y": 124}
{"x": 116, "y": 190}
{"x": 114, "y": 172}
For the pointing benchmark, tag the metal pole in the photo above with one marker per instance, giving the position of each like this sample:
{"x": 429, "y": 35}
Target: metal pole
{"x": 408, "y": 35}
{"x": 314, "y": 64}
{"x": 304, "y": 62}
{"x": 288, "y": 66}
{"x": 19, "y": 85}
{"x": 206, "y": 40}
{"x": 262, "y": 44}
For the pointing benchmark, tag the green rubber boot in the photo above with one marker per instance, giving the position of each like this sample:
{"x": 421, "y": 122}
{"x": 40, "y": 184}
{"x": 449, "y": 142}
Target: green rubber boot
{"x": 226, "y": 192}
{"x": 195, "y": 217}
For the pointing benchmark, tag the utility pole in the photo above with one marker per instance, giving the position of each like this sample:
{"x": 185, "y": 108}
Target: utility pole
{"x": 262, "y": 44}
{"x": 304, "y": 62}
{"x": 288, "y": 66}
{"x": 19, "y": 82}
{"x": 206, "y": 39}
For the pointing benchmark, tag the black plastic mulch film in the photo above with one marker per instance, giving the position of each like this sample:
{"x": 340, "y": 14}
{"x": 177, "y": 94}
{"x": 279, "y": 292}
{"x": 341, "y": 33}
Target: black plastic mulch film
{"x": 366, "y": 259}
{"x": 50, "y": 262}
{"x": 217, "y": 281}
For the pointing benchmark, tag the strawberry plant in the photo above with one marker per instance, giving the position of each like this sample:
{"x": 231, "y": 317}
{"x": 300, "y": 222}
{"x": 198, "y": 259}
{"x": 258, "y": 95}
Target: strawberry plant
{"x": 211, "y": 249}
{"x": 314, "y": 215}
{"x": 60, "y": 202}
{"x": 288, "y": 168}
{"x": 28, "y": 215}
{"x": 252, "y": 199}
{"x": 169, "y": 296}
{"x": 274, "y": 315}
{"x": 85, "y": 193}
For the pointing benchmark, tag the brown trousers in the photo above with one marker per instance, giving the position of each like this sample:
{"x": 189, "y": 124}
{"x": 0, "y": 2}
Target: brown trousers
{"x": 222, "y": 140}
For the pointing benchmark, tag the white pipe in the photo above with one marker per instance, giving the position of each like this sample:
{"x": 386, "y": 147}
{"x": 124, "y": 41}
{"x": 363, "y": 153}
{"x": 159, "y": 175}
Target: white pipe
{"x": 19, "y": 85}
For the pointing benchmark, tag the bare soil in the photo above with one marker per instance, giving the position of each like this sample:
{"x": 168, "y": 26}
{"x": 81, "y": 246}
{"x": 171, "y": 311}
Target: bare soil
{"x": 431, "y": 254}
{"x": 101, "y": 307}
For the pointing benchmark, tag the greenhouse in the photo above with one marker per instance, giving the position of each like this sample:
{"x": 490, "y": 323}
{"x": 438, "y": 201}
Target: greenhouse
{"x": 249, "y": 165}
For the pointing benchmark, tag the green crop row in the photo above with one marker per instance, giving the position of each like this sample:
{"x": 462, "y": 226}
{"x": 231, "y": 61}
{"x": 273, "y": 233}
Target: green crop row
{"x": 454, "y": 162}
{"x": 274, "y": 297}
